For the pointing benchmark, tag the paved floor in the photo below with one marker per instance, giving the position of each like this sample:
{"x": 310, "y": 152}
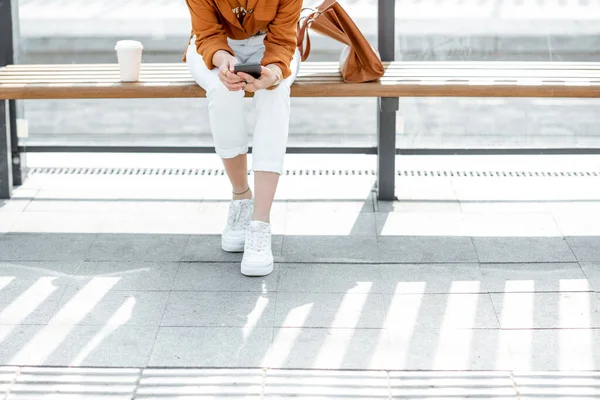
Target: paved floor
{"x": 484, "y": 264}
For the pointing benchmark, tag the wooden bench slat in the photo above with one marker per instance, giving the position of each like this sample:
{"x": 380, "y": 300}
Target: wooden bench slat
{"x": 396, "y": 73}
{"x": 322, "y": 81}
{"x": 396, "y": 89}
{"x": 439, "y": 79}
{"x": 6, "y": 78}
{"x": 304, "y": 67}
{"x": 328, "y": 65}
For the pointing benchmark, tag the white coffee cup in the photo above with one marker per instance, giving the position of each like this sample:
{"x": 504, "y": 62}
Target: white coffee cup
{"x": 129, "y": 54}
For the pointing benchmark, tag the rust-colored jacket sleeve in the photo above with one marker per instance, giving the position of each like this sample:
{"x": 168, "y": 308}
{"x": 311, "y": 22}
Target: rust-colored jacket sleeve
{"x": 210, "y": 35}
{"x": 280, "y": 43}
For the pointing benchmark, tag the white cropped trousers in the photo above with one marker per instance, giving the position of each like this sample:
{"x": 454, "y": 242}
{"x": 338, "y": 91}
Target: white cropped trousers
{"x": 226, "y": 111}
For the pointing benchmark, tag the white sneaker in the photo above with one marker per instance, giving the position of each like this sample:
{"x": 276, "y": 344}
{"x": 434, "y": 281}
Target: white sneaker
{"x": 234, "y": 234}
{"x": 258, "y": 258}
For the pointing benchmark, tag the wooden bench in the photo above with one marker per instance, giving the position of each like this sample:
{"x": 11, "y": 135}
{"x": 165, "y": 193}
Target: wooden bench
{"x": 402, "y": 79}
{"x": 321, "y": 79}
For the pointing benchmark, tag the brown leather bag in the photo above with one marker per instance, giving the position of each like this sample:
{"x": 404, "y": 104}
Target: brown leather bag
{"x": 362, "y": 63}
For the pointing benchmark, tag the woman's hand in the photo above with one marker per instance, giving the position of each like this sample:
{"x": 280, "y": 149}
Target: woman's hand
{"x": 226, "y": 63}
{"x": 268, "y": 78}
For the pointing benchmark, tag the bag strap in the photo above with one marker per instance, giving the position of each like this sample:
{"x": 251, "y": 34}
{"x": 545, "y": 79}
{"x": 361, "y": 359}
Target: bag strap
{"x": 303, "y": 25}
{"x": 305, "y": 22}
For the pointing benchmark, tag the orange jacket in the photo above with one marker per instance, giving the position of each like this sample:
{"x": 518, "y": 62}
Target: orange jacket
{"x": 213, "y": 21}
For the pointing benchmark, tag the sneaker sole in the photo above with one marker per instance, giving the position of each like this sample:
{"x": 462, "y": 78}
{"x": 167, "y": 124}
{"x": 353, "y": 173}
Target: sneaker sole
{"x": 232, "y": 247}
{"x": 253, "y": 270}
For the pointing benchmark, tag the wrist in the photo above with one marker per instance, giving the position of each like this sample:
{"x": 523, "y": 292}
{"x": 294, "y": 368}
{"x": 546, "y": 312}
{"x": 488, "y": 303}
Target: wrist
{"x": 277, "y": 72}
{"x": 219, "y": 57}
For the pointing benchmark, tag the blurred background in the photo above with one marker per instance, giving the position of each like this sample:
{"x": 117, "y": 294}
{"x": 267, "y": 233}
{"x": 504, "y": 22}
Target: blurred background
{"x": 71, "y": 31}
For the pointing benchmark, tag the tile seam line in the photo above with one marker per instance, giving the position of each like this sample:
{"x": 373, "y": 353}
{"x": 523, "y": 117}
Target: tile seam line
{"x": 511, "y": 375}
{"x": 137, "y": 383}
{"x": 12, "y": 382}
{"x": 263, "y": 381}
{"x": 158, "y": 328}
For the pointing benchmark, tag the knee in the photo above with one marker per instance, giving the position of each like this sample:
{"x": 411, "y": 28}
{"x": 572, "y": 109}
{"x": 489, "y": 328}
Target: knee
{"x": 217, "y": 92}
{"x": 282, "y": 91}
{"x": 279, "y": 94}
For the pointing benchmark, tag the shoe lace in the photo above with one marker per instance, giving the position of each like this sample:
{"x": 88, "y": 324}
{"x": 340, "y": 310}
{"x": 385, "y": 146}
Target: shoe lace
{"x": 257, "y": 240}
{"x": 235, "y": 218}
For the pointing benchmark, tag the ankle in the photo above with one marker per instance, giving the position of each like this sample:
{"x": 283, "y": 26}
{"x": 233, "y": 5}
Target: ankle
{"x": 243, "y": 194}
{"x": 261, "y": 218}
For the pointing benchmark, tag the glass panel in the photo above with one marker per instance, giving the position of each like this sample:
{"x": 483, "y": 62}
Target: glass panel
{"x": 69, "y": 31}
{"x": 499, "y": 30}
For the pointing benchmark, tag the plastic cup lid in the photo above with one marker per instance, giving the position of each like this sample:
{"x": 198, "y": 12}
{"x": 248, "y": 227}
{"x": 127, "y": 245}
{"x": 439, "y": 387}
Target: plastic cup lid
{"x": 128, "y": 45}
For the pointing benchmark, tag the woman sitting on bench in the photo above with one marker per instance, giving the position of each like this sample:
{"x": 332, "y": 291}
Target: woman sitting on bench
{"x": 230, "y": 32}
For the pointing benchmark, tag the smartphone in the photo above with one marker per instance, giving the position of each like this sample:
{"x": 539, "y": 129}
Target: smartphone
{"x": 252, "y": 69}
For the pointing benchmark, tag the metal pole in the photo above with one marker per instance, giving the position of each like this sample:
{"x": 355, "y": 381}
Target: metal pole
{"x": 6, "y": 176}
{"x": 7, "y": 123}
{"x": 16, "y": 109}
{"x": 386, "y": 107}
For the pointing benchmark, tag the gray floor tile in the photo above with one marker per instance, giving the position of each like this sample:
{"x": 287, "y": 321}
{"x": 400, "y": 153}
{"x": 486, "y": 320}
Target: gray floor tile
{"x": 77, "y": 345}
{"x": 9, "y": 221}
{"x": 7, "y": 376}
{"x": 210, "y": 347}
{"x": 137, "y": 247}
{"x": 553, "y": 349}
{"x": 127, "y": 307}
{"x": 410, "y": 187}
{"x": 330, "y": 223}
{"x": 350, "y": 249}
{"x": 208, "y": 248}
{"x": 329, "y": 310}
{"x": 579, "y": 218}
{"x": 330, "y": 206}
{"x": 592, "y": 273}
{"x": 35, "y": 304}
{"x": 431, "y": 278}
{"x": 448, "y": 350}
{"x": 233, "y": 384}
{"x": 202, "y": 276}
{"x": 559, "y": 384}
{"x": 44, "y": 246}
{"x": 426, "y": 249}
{"x": 450, "y": 384}
{"x": 286, "y": 384}
{"x": 523, "y": 249}
{"x": 80, "y": 396}
{"x": 132, "y": 275}
{"x": 82, "y": 383}
{"x": 27, "y": 273}
{"x": 586, "y": 248}
{"x": 207, "y": 309}
{"x": 15, "y": 205}
{"x": 419, "y": 205}
{"x": 330, "y": 278}
{"x": 537, "y": 277}
{"x": 440, "y": 311}
{"x": 547, "y": 310}
{"x": 329, "y": 348}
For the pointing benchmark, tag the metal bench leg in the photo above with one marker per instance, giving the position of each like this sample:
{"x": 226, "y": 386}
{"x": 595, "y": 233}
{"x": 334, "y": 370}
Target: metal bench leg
{"x": 386, "y": 107}
{"x": 6, "y": 174}
{"x": 386, "y": 148}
